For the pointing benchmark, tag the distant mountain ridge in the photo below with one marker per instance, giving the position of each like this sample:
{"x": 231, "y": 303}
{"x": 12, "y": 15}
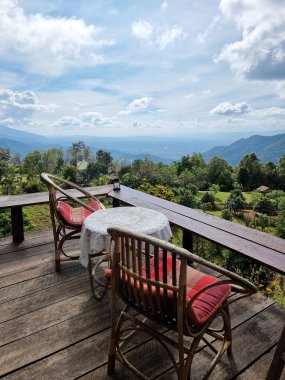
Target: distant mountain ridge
{"x": 24, "y": 142}
{"x": 267, "y": 148}
{"x": 158, "y": 149}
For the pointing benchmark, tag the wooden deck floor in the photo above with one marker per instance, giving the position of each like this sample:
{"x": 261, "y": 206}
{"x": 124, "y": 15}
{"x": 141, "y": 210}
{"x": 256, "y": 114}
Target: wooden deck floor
{"x": 51, "y": 327}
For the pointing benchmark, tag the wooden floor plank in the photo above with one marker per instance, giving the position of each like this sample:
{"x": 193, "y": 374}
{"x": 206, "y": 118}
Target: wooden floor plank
{"x": 31, "y": 238}
{"x": 33, "y": 285}
{"x": 35, "y": 271}
{"x": 35, "y": 250}
{"x": 57, "y": 337}
{"x": 46, "y": 317}
{"x": 259, "y": 369}
{"x": 20, "y": 265}
{"x": 27, "y": 304}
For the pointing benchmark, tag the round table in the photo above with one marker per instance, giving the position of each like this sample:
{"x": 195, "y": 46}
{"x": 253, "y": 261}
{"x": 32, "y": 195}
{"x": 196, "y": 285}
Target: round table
{"x": 94, "y": 235}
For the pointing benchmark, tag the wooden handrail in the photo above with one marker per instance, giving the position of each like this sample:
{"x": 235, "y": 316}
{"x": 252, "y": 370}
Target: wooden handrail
{"x": 17, "y": 202}
{"x": 266, "y": 249}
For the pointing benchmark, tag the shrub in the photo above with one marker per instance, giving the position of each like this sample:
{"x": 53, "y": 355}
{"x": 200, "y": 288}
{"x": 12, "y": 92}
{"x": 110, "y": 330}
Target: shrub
{"x": 226, "y": 214}
{"x": 187, "y": 199}
{"x": 265, "y": 206}
{"x": 34, "y": 186}
{"x": 262, "y": 221}
{"x": 6, "y": 226}
{"x": 280, "y": 224}
{"x": 208, "y": 198}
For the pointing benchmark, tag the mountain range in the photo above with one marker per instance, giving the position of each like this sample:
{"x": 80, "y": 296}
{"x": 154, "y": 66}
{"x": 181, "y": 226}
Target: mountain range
{"x": 267, "y": 148}
{"x": 158, "y": 149}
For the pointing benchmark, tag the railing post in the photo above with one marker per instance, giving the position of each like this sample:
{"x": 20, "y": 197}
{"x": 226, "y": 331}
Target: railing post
{"x": 187, "y": 240}
{"x": 17, "y": 224}
{"x": 116, "y": 202}
{"x": 277, "y": 364}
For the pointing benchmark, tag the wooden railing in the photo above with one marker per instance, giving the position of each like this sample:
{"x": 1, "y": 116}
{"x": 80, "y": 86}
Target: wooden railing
{"x": 261, "y": 247}
{"x": 16, "y": 203}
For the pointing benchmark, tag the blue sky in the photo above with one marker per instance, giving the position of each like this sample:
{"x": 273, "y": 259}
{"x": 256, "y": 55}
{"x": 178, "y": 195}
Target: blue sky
{"x": 134, "y": 67}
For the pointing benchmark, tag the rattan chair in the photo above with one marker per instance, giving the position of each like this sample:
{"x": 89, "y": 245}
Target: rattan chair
{"x": 153, "y": 279}
{"x": 68, "y": 212}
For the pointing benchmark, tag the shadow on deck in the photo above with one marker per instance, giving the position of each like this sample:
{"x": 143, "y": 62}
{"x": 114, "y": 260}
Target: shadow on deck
{"x": 52, "y": 328}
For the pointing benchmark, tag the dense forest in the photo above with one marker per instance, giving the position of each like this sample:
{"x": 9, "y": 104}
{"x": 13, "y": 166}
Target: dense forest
{"x": 190, "y": 181}
{"x": 252, "y": 193}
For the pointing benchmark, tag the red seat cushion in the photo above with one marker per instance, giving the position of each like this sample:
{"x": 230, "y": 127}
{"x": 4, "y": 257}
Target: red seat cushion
{"x": 75, "y": 216}
{"x": 206, "y": 303}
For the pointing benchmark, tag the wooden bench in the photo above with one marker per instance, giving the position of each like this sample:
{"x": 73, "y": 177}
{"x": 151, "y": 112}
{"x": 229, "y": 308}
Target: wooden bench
{"x": 17, "y": 202}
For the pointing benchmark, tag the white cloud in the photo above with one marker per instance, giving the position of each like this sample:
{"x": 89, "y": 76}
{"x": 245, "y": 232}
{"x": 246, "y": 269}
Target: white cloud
{"x": 48, "y": 45}
{"x": 137, "y": 105}
{"x": 280, "y": 87}
{"x": 18, "y": 105}
{"x": 208, "y": 91}
{"x": 260, "y": 54}
{"x": 189, "y": 96}
{"x": 169, "y": 36}
{"x": 161, "y": 37}
{"x": 142, "y": 29}
{"x": 26, "y": 100}
{"x": 164, "y": 5}
{"x": 271, "y": 111}
{"x": 226, "y": 108}
{"x": 96, "y": 118}
{"x": 68, "y": 122}
{"x": 201, "y": 38}
{"x": 137, "y": 124}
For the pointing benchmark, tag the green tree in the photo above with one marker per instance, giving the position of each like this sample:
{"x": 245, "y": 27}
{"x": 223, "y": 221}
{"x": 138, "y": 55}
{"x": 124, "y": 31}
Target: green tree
{"x": 249, "y": 173}
{"x": 281, "y": 173}
{"x": 220, "y": 173}
{"x": 9, "y": 181}
{"x": 69, "y": 172}
{"x": 33, "y": 164}
{"x": 187, "y": 198}
{"x": 266, "y": 206}
{"x": 226, "y": 214}
{"x": 131, "y": 180}
{"x": 208, "y": 201}
{"x": 5, "y": 157}
{"x": 262, "y": 221}
{"x": 104, "y": 160}
{"x": 79, "y": 152}
{"x": 270, "y": 176}
{"x": 236, "y": 200}
{"x": 52, "y": 160}
{"x": 280, "y": 224}
{"x": 214, "y": 189}
{"x": 192, "y": 162}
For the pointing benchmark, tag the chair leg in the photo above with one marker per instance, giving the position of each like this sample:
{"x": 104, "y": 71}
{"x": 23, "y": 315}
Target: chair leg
{"x": 57, "y": 260}
{"x": 111, "y": 357}
{"x": 228, "y": 331}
